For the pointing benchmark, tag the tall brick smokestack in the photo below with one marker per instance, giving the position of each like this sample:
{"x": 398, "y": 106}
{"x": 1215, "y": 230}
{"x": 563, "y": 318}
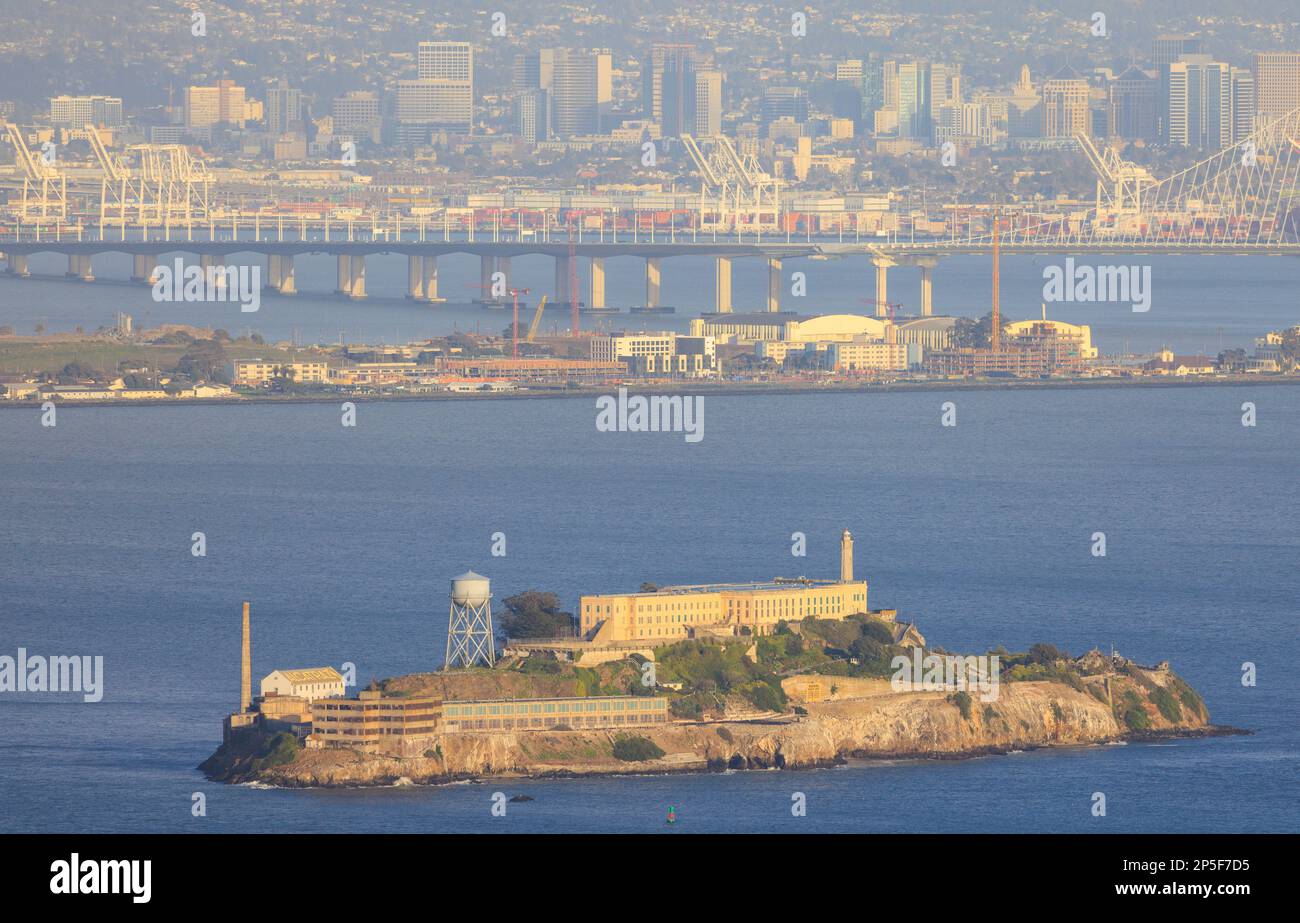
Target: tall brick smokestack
{"x": 246, "y": 667}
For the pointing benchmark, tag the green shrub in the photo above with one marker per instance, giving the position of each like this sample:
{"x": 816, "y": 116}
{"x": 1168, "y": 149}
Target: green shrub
{"x": 636, "y": 749}
{"x": 963, "y": 702}
{"x": 990, "y": 714}
{"x": 1136, "y": 718}
{"x": 277, "y": 751}
{"x": 1164, "y": 700}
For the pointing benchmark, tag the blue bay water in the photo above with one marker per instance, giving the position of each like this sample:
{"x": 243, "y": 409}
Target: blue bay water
{"x": 344, "y": 540}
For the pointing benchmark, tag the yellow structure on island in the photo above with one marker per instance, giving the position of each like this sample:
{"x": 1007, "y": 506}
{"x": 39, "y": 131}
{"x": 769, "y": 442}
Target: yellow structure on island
{"x": 677, "y": 612}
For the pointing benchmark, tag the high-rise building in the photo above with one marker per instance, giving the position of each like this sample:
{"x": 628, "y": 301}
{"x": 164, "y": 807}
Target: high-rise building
{"x": 358, "y": 113}
{"x": 532, "y": 115}
{"x": 916, "y": 101}
{"x": 1277, "y": 83}
{"x": 1165, "y": 50}
{"x": 80, "y": 111}
{"x": 535, "y": 70}
{"x": 575, "y": 107}
{"x": 1200, "y": 103}
{"x": 1243, "y": 103}
{"x": 283, "y": 108}
{"x": 222, "y": 104}
{"x": 442, "y": 96}
{"x": 708, "y": 103}
{"x": 652, "y": 74}
{"x": 1131, "y": 106}
{"x": 677, "y": 91}
{"x": 1065, "y": 105}
{"x": 784, "y": 103}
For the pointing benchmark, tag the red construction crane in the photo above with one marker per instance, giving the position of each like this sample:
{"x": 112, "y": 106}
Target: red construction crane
{"x": 889, "y": 306}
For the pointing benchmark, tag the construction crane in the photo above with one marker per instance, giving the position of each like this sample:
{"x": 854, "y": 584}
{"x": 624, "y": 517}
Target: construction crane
{"x": 537, "y": 320}
{"x": 887, "y": 305}
{"x": 39, "y": 172}
{"x": 733, "y": 187}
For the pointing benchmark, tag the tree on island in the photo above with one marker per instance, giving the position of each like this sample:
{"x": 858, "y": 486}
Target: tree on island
{"x": 535, "y": 614}
{"x": 974, "y": 334}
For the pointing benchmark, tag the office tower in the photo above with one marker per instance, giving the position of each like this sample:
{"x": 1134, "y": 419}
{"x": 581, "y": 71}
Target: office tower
{"x": 80, "y": 111}
{"x": 1065, "y": 105}
{"x": 442, "y": 96}
{"x": 358, "y": 113}
{"x": 708, "y": 103}
{"x": 1131, "y": 105}
{"x": 533, "y": 115}
{"x": 677, "y": 91}
{"x": 784, "y": 103}
{"x": 915, "y": 101}
{"x": 889, "y": 84}
{"x": 1277, "y": 83}
{"x": 1165, "y": 50}
{"x": 283, "y": 108}
{"x": 222, "y": 104}
{"x": 1025, "y": 108}
{"x": 1200, "y": 103}
{"x": 945, "y": 86}
{"x": 575, "y": 109}
{"x": 873, "y": 85}
{"x": 1243, "y": 103}
{"x": 604, "y": 79}
{"x": 534, "y": 70}
{"x": 652, "y": 74}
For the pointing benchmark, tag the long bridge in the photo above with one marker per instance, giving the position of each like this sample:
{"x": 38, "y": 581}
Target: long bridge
{"x": 1242, "y": 200}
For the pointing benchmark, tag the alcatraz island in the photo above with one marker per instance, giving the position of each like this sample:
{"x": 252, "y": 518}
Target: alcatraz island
{"x": 790, "y": 673}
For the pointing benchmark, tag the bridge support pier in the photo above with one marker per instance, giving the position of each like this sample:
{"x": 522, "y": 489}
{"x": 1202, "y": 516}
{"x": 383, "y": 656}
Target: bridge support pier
{"x": 429, "y": 282}
{"x": 722, "y": 284}
{"x": 213, "y": 267}
{"x": 927, "y": 267}
{"x": 142, "y": 267}
{"x": 503, "y": 267}
{"x": 358, "y": 278}
{"x": 17, "y": 265}
{"x": 486, "y": 264}
{"x": 562, "y": 293}
{"x": 653, "y": 277}
{"x": 882, "y": 265}
{"x": 773, "y": 284}
{"x": 597, "y": 282}
{"x": 279, "y": 273}
{"x": 344, "y": 274}
{"x": 79, "y": 268}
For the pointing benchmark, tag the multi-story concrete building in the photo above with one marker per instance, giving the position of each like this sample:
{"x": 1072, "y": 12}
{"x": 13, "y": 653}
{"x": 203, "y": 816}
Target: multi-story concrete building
{"x": 873, "y": 357}
{"x": 80, "y": 111}
{"x": 224, "y": 103}
{"x": 1065, "y": 105}
{"x": 1277, "y": 83}
{"x": 441, "y": 98}
{"x": 1200, "y": 103}
{"x": 575, "y": 102}
{"x": 677, "y": 612}
{"x": 708, "y": 103}
{"x": 375, "y": 722}
{"x": 358, "y": 113}
{"x": 252, "y": 372}
{"x": 606, "y": 711}
{"x": 665, "y": 353}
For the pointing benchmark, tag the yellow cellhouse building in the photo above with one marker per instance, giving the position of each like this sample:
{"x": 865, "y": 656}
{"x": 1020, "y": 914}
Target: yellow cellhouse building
{"x": 677, "y": 612}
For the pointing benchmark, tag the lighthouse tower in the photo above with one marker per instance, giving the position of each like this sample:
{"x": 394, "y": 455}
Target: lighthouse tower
{"x": 846, "y": 557}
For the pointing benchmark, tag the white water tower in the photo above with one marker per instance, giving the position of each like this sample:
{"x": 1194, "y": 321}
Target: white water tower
{"x": 469, "y": 627}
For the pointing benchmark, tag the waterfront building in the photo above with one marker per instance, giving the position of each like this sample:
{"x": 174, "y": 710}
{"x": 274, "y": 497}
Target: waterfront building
{"x": 967, "y": 362}
{"x": 675, "y": 613}
{"x": 657, "y": 353}
{"x": 873, "y": 357}
{"x": 749, "y": 329}
{"x": 308, "y": 684}
{"x": 1068, "y": 346}
{"x": 257, "y": 372}
{"x": 577, "y": 713}
{"x": 375, "y": 722}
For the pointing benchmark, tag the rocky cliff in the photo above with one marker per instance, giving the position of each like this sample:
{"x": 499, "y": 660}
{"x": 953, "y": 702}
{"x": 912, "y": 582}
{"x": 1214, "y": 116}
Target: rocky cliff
{"x": 1025, "y": 715}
